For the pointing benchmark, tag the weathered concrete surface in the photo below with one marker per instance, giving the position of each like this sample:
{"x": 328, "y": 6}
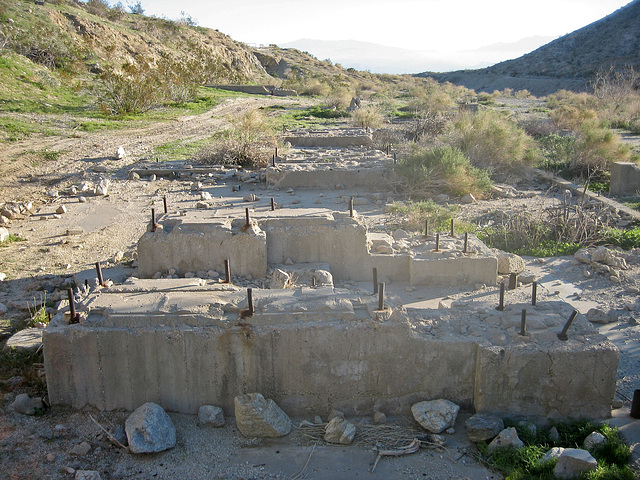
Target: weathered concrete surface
{"x": 344, "y": 138}
{"x": 287, "y": 175}
{"x": 197, "y": 242}
{"x": 625, "y": 178}
{"x": 312, "y": 350}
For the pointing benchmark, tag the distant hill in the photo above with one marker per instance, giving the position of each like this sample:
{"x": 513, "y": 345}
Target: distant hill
{"x": 383, "y": 59}
{"x": 568, "y": 62}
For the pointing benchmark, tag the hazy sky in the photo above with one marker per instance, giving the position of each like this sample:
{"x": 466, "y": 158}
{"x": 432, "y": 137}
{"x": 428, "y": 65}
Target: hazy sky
{"x": 424, "y": 25}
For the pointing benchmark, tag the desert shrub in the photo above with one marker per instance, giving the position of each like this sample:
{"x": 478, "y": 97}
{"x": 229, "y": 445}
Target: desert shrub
{"x": 249, "y": 142}
{"x": 313, "y": 87}
{"x": 492, "y": 140}
{"x": 134, "y": 89}
{"x": 427, "y": 124}
{"x": 98, "y": 7}
{"x": 425, "y": 172}
{"x": 338, "y": 98}
{"x": 367, "y": 117}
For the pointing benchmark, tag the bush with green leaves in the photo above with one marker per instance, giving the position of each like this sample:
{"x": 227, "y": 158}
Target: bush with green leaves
{"x": 425, "y": 172}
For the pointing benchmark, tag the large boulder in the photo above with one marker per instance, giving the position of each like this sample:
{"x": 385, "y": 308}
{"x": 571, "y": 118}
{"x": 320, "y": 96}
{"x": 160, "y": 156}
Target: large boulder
{"x": 483, "y": 426}
{"x": 510, "y": 263}
{"x": 435, "y": 415}
{"x": 595, "y": 439}
{"x": 573, "y": 462}
{"x": 149, "y": 429}
{"x": 338, "y": 430}
{"x": 259, "y": 417}
{"x": 507, "y": 438}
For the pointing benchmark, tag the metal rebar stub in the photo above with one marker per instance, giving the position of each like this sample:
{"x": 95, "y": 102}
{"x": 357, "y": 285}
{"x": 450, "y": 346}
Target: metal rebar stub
{"x": 74, "y": 317}
{"x": 534, "y": 293}
{"x": 513, "y": 281}
{"x": 500, "y": 306}
{"x": 164, "y": 203}
{"x": 227, "y": 271}
{"x": 273, "y": 204}
{"x": 381, "y": 296}
{"x": 248, "y": 218}
{"x": 154, "y": 225}
{"x": 426, "y": 227}
{"x": 523, "y": 322}
{"x": 452, "y": 233}
{"x": 563, "y": 334}
{"x": 99, "y": 273}
{"x": 375, "y": 280}
{"x": 351, "y": 207}
{"x": 437, "y": 243}
{"x": 465, "y": 249}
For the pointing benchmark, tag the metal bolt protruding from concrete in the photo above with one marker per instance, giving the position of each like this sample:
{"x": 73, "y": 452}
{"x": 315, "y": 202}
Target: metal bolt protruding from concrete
{"x": 513, "y": 281}
{"x": 375, "y": 280}
{"x": 154, "y": 225}
{"x": 500, "y": 306}
{"x": 273, "y": 204}
{"x": 351, "y": 207}
{"x": 72, "y": 307}
{"x": 227, "y": 271}
{"x": 99, "y": 273}
{"x": 395, "y": 158}
{"x": 388, "y": 148}
{"x": 164, "y": 202}
{"x": 523, "y": 322}
{"x": 466, "y": 243}
{"x": 437, "y": 242}
{"x": 276, "y": 151}
{"x": 426, "y": 227}
{"x": 250, "y": 300}
{"x": 381, "y": 296}
{"x": 273, "y": 161}
{"x": 313, "y": 282}
{"x": 452, "y": 234}
{"x": 534, "y": 293}
{"x": 248, "y": 218}
{"x": 563, "y": 334}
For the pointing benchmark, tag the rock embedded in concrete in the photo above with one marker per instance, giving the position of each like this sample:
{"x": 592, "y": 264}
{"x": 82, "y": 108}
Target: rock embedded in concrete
{"x": 339, "y": 430}
{"x": 149, "y": 429}
{"x": 435, "y": 415}
{"x": 573, "y": 462}
{"x": 510, "y": 263}
{"x": 211, "y": 415}
{"x": 593, "y": 440}
{"x": 507, "y": 438}
{"x": 26, "y": 405}
{"x": 259, "y": 417}
{"x": 483, "y": 426}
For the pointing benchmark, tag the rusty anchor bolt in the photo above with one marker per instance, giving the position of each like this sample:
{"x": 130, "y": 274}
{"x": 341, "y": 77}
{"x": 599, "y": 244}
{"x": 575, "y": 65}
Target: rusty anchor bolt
{"x": 500, "y": 306}
{"x": 563, "y": 334}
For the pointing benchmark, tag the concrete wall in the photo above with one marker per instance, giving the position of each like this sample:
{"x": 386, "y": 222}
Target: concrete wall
{"x": 327, "y": 355}
{"x": 202, "y": 247}
{"x": 284, "y": 177}
{"x": 339, "y": 242}
{"x": 329, "y": 140}
{"x": 258, "y": 90}
{"x": 625, "y": 178}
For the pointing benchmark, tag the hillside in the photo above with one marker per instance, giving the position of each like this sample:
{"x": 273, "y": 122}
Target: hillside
{"x": 567, "y": 62}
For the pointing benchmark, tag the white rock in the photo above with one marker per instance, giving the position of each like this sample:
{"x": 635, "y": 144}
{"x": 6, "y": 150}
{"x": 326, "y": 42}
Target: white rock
{"x": 573, "y": 462}
{"x": 594, "y": 439}
{"x": 211, "y": 415}
{"x": 435, "y": 415}
{"x": 4, "y": 234}
{"x": 205, "y": 196}
{"x": 120, "y": 154}
{"x": 552, "y": 454}
{"x": 601, "y": 255}
{"x": 507, "y": 438}
{"x": 259, "y": 417}
{"x": 103, "y": 187}
{"x": 251, "y": 198}
{"x": 339, "y": 430}
{"x": 149, "y": 429}
{"x": 583, "y": 256}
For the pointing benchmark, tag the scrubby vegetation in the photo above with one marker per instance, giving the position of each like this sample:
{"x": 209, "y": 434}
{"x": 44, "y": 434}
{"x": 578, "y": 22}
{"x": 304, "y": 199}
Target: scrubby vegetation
{"x": 524, "y": 463}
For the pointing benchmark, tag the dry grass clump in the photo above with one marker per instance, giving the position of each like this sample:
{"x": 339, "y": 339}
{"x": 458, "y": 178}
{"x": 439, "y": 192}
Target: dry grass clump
{"x": 248, "y": 143}
{"x": 492, "y": 140}
{"x": 367, "y": 117}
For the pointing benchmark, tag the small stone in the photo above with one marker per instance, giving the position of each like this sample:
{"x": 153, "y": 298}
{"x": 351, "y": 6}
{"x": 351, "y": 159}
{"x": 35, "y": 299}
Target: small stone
{"x": 149, "y": 429}
{"x": 205, "y": 196}
{"x": 102, "y": 188}
{"x": 251, "y": 198}
{"x": 120, "y": 153}
{"x": 82, "y": 199}
{"x": 211, "y": 415}
{"x": 435, "y": 415}
{"x": 450, "y": 431}
{"x": 507, "y": 438}
{"x": 552, "y": 454}
{"x": 333, "y": 414}
{"x": 134, "y": 176}
{"x": 279, "y": 279}
{"x": 87, "y": 475}
{"x": 118, "y": 436}
{"x": 4, "y": 234}
{"x": 339, "y": 430}
{"x": 153, "y": 177}
{"x": 51, "y": 457}
{"x": 288, "y": 261}
{"x": 203, "y": 206}
{"x": 75, "y": 231}
{"x": 593, "y": 440}
{"x": 80, "y": 450}
{"x": 379, "y": 417}
{"x": 483, "y": 427}
{"x": 468, "y": 199}
{"x": 573, "y": 462}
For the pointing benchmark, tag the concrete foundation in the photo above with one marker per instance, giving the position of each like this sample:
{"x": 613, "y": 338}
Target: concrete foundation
{"x": 198, "y": 242}
{"x": 625, "y": 178}
{"x": 186, "y": 344}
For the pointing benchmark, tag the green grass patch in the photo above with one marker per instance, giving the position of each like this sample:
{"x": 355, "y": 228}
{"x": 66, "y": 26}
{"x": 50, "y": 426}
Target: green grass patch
{"x": 523, "y": 464}
{"x": 413, "y": 216}
{"x": 11, "y": 238}
{"x": 184, "y": 149}
{"x": 626, "y": 239}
